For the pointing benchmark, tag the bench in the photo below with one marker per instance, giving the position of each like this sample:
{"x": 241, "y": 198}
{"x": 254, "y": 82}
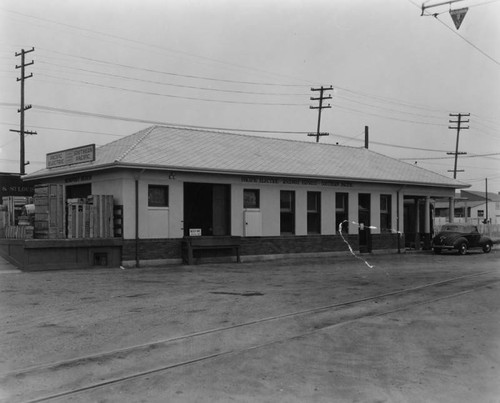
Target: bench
{"x": 190, "y": 244}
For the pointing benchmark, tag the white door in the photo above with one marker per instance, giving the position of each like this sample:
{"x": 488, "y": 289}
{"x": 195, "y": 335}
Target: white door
{"x": 252, "y": 221}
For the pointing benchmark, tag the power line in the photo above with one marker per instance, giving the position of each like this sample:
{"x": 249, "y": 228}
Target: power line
{"x": 175, "y": 85}
{"x": 447, "y": 158}
{"x": 173, "y": 96}
{"x": 470, "y": 43}
{"x": 387, "y": 117}
{"x": 147, "y": 44}
{"x": 192, "y": 76}
{"x": 460, "y": 36}
{"x": 137, "y": 120}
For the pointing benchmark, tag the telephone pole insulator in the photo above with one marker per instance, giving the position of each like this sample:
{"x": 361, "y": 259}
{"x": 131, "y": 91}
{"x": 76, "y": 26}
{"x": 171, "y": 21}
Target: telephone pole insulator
{"x": 22, "y": 132}
{"x": 320, "y": 107}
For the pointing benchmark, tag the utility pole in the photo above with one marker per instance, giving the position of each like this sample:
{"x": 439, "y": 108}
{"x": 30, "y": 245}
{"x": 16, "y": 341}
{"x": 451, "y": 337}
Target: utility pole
{"x": 321, "y": 98}
{"x": 22, "y": 132}
{"x": 458, "y": 127}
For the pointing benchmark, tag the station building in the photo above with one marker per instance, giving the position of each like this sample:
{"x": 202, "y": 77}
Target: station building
{"x": 277, "y": 196}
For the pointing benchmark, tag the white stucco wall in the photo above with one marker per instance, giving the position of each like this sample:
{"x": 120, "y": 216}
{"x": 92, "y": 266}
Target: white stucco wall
{"x": 167, "y": 222}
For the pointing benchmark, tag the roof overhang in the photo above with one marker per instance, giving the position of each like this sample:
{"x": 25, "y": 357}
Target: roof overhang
{"x": 47, "y": 174}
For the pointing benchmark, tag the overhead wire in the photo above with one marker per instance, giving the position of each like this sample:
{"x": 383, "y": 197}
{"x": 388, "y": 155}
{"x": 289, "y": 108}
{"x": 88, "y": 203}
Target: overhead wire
{"x": 436, "y": 15}
{"x": 114, "y": 75}
{"x": 94, "y": 32}
{"x": 192, "y": 76}
{"x": 174, "y": 96}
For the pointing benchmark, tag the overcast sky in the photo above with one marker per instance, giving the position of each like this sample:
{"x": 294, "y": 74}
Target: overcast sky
{"x": 106, "y": 69}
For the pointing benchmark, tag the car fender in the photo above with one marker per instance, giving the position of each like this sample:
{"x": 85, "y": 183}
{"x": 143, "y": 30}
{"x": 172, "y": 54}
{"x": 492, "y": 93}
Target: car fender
{"x": 485, "y": 240}
{"x": 459, "y": 240}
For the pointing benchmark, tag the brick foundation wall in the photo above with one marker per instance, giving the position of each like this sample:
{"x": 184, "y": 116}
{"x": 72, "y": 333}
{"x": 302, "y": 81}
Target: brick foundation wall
{"x": 386, "y": 241}
{"x": 152, "y": 249}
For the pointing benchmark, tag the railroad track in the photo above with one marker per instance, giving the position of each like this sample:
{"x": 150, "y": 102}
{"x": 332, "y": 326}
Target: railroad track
{"x": 63, "y": 379}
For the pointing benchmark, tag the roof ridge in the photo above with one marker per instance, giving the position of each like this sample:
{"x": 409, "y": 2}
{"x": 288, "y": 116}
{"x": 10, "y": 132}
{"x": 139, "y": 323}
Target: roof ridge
{"x": 229, "y": 133}
{"x": 139, "y": 140}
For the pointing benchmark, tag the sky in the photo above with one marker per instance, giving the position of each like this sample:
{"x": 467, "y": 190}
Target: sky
{"x": 106, "y": 69}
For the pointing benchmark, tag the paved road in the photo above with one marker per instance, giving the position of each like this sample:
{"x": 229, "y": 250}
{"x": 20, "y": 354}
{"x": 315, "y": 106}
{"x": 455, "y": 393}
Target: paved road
{"x": 413, "y": 328}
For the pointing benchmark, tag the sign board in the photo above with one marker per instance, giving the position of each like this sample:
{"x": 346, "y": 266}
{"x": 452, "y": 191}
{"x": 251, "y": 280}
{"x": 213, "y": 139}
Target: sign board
{"x": 71, "y": 156}
{"x": 12, "y": 185}
{"x": 295, "y": 181}
{"x": 458, "y": 16}
{"x": 194, "y": 231}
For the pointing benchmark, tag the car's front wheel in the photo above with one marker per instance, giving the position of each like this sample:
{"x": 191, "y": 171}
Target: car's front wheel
{"x": 487, "y": 247}
{"x": 437, "y": 251}
{"x": 462, "y": 248}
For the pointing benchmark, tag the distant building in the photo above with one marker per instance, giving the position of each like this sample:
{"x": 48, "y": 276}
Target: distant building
{"x": 280, "y": 196}
{"x": 471, "y": 207}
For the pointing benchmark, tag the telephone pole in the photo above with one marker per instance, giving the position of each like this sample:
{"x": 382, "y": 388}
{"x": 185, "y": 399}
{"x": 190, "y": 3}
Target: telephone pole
{"x": 321, "y": 98}
{"x": 458, "y": 127}
{"x": 22, "y": 132}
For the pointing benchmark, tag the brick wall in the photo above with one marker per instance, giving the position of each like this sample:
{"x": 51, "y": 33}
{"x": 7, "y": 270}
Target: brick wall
{"x": 150, "y": 249}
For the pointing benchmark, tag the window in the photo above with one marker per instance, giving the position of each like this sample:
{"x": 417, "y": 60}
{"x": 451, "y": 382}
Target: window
{"x": 251, "y": 198}
{"x": 287, "y": 212}
{"x": 342, "y": 212}
{"x": 385, "y": 213}
{"x": 157, "y": 196}
{"x": 313, "y": 212}
{"x": 480, "y": 213}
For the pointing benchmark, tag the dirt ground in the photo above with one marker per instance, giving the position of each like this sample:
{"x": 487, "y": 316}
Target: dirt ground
{"x": 446, "y": 350}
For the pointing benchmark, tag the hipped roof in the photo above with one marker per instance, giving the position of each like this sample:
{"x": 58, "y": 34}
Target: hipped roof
{"x": 181, "y": 149}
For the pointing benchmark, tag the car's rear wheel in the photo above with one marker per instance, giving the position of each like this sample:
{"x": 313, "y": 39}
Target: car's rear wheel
{"x": 437, "y": 251}
{"x": 487, "y": 248}
{"x": 462, "y": 248}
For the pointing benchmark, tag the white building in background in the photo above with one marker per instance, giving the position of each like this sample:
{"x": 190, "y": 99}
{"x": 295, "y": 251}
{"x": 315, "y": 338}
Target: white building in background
{"x": 470, "y": 206}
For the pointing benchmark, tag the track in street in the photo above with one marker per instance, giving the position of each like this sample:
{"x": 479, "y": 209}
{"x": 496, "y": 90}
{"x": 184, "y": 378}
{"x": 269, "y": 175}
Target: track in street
{"x": 71, "y": 377}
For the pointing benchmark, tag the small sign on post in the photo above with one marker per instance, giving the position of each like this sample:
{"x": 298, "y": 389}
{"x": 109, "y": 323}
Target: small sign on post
{"x": 194, "y": 231}
{"x": 458, "y": 16}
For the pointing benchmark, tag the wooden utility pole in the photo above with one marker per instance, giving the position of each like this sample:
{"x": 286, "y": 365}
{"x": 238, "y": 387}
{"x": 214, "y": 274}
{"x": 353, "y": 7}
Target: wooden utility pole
{"x": 458, "y": 127}
{"x": 321, "y": 98}
{"x": 22, "y": 132}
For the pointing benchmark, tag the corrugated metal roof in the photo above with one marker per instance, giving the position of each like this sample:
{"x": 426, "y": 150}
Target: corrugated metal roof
{"x": 165, "y": 147}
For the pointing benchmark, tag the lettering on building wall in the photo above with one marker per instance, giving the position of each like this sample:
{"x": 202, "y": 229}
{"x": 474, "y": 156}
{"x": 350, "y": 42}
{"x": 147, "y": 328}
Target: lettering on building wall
{"x": 294, "y": 181}
{"x": 77, "y": 179}
{"x": 71, "y": 156}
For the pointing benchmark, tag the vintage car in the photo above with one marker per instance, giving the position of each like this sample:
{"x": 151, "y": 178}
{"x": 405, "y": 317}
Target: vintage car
{"x": 460, "y": 237}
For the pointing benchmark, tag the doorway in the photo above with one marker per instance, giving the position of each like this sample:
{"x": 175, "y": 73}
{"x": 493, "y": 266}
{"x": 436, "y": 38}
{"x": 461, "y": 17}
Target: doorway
{"x": 207, "y": 207}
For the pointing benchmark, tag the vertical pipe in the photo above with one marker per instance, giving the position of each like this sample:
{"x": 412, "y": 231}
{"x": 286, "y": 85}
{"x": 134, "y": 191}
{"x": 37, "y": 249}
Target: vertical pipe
{"x": 451, "y": 209}
{"x": 486, "y": 196}
{"x": 397, "y": 222}
{"x": 366, "y": 137}
{"x": 137, "y": 264}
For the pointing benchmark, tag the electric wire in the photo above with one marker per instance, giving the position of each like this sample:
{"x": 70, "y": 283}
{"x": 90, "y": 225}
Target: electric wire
{"x": 175, "y": 85}
{"x": 436, "y": 15}
{"x": 94, "y": 32}
{"x": 174, "y": 96}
